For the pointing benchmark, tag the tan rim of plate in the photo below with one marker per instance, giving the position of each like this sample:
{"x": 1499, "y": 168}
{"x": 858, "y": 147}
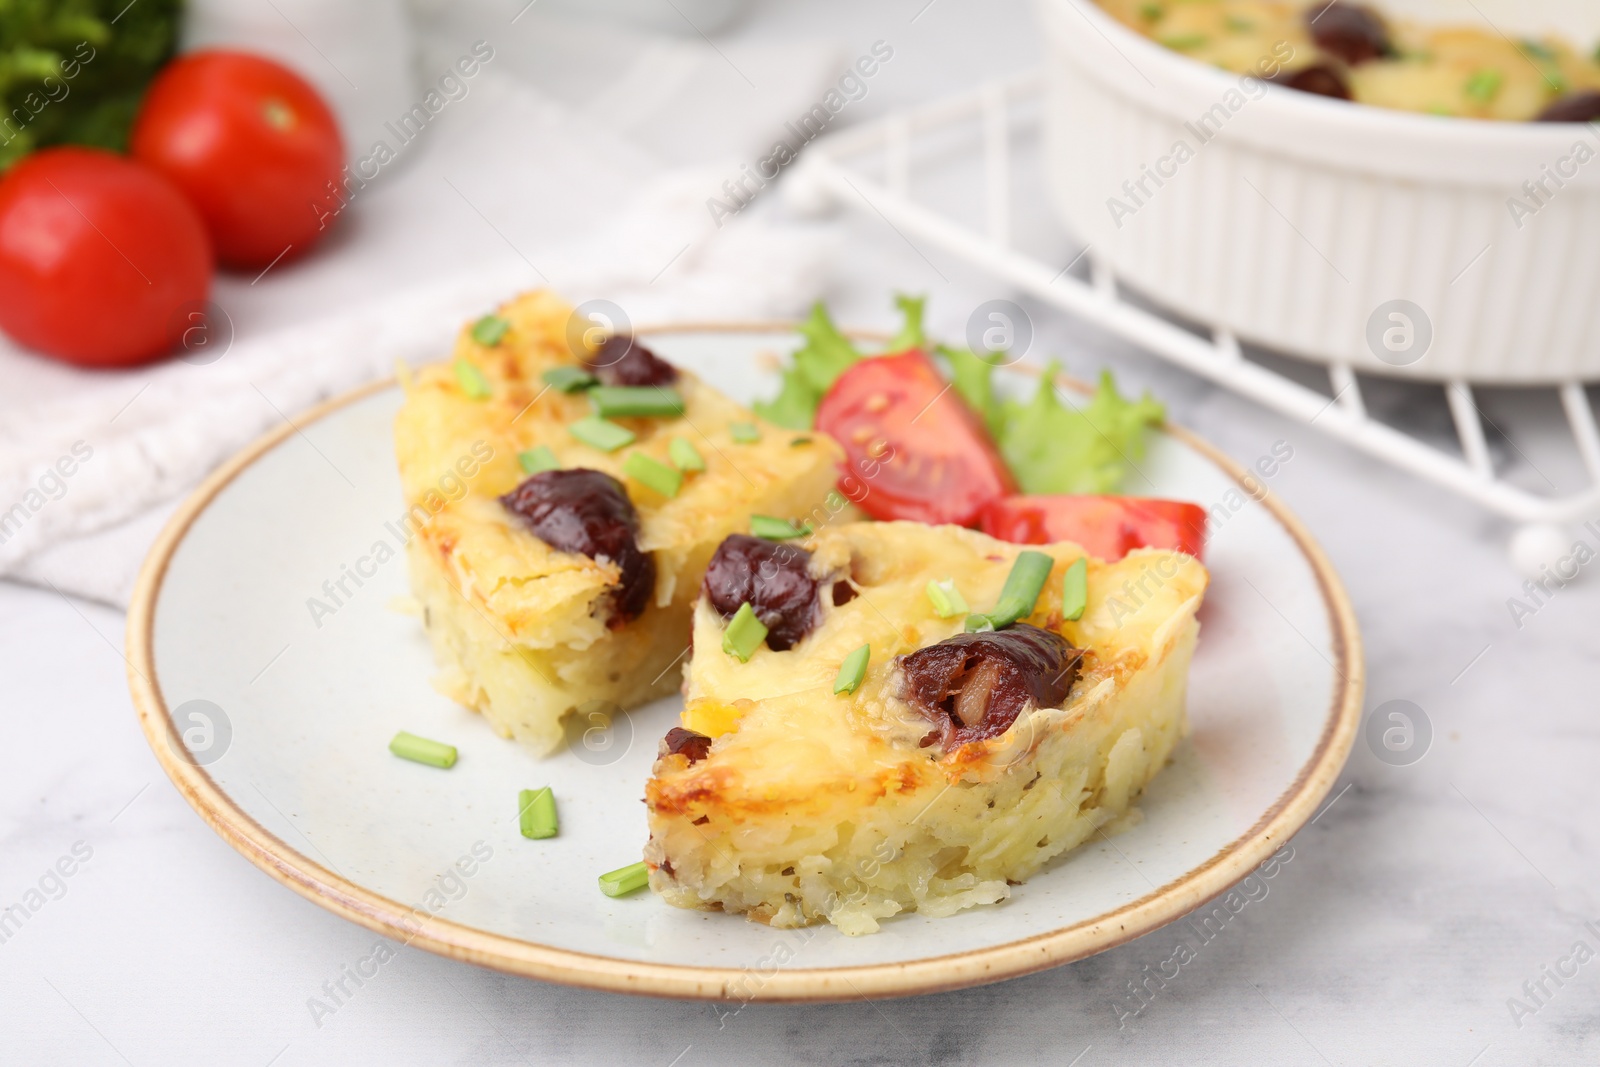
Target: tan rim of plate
{"x": 933, "y": 974}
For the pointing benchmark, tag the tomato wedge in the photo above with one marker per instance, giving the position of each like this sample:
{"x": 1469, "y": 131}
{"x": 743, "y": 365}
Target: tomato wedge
{"x": 914, "y": 449}
{"x": 1107, "y": 526}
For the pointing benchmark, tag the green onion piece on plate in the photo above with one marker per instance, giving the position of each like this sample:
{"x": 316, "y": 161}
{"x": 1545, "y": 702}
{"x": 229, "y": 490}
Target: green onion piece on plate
{"x": 765, "y": 526}
{"x": 744, "y": 634}
{"x": 1183, "y": 42}
{"x": 946, "y": 599}
{"x": 568, "y": 379}
{"x": 488, "y": 330}
{"x": 625, "y": 880}
{"x": 852, "y": 670}
{"x": 612, "y": 401}
{"x": 1075, "y": 589}
{"x": 1018, "y": 595}
{"x": 685, "y": 456}
{"x": 421, "y": 750}
{"x": 596, "y": 432}
{"x": 654, "y": 473}
{"x": 536, "y": 812}
{"x": 537, "y": 460}
{"x": 472, "y": 381}
{"x": 744, "y": 432}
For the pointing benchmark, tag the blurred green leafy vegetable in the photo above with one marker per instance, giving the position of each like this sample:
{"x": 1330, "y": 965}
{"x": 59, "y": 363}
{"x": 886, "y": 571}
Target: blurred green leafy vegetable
{"x": 74, "y": 71}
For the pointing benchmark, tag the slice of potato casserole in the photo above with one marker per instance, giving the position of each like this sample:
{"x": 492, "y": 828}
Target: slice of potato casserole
{"x": 565, "y": 493}
{"x": 857, "y": 743}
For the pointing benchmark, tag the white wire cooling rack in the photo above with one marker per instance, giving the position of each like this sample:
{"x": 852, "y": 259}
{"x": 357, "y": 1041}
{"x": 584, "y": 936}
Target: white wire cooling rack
{"x": 871, "y": 168}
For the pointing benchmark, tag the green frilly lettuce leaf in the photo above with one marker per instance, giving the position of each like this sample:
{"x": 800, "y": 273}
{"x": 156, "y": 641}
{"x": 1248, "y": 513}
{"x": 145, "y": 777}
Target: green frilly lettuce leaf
{"x": 1052, "y": 445}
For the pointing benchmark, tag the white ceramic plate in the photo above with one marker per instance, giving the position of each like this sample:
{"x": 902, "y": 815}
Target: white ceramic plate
{"x": 289, "y": 762}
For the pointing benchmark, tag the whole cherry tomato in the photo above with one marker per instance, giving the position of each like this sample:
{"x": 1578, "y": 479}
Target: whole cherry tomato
{"x": 920, "y": 451}
{"x": 101, "y": 259}
{"x": 1107, "y": 526}
{"x": 252, "y": 144}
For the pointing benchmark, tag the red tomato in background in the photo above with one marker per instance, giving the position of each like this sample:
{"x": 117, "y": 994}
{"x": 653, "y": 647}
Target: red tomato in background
{"x": 251, "y": 143}
{"x": 99, "y": 258}
{"x": 1106, "y": 526}
{"x": 912, "y": 442}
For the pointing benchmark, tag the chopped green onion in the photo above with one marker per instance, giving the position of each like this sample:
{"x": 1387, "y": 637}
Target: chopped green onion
{"x": 765, "y": 526}
{"x": 538, "y": 459}
{"x": 799, "y": 442}
{"x": 946, "y": 598}
{"x": 1238, "y": 25}
{"x": 596, "y": 432}
{"x": 685, "y": 456}
{"x": 625, "y": 880}
{"x": 421, "y": 750}
{"x": 653, "y": 400}
{"x": 744, "y": 432}
{"x": 488, "y": 330}
{"x": 1075, "y": 590}
{"x": 536, "y": 810}
{"x": 1482, "y": 86}
{"x": 744, "y": 634}
{"x": 1150, "y": 11}
{"x": 472, "y": 381}
{"x": 1183, "y": 42}
{"x": 654, "y": 473}
{"x": 568, "y": 379}
{"x": 1537, "y": 49}
{"x": 1018, "y": 595}
{"x": 852, "y": 670}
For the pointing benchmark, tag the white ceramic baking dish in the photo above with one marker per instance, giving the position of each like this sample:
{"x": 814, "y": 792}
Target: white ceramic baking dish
{"x": 1384, "y": 240}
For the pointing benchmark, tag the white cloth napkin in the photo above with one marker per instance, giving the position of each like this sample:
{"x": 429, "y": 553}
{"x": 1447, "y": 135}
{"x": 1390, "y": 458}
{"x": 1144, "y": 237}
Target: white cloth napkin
{"x": 512, "y": 189}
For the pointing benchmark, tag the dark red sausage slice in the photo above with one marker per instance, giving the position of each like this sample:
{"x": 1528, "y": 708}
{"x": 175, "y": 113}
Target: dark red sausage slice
{"x": 973, "y": 686}
{"x": 1574, "y": 107}
{"x": 588, "y": 512}
{"x": 694, "y": 745}
{"x": 622, "y": 360}
{"x": 1323, "y": 79}
{"x": 774, "y": 577}
{"x": 1353, "y": 32}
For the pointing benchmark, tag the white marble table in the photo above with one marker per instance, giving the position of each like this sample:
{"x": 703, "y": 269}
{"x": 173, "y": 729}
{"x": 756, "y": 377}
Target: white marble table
{"x": 1421, "y": 902}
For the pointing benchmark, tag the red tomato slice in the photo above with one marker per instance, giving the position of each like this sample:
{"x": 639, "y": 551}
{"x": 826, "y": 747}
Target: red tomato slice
{"x": 1107, "y": 526}
{"x": 914, "y": 449}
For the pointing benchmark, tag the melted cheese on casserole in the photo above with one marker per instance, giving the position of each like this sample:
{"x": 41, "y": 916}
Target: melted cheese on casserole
{"x": 519, "y": 628}
{"x": 814, "y": 806}
{"x": 1471, "y": 71}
